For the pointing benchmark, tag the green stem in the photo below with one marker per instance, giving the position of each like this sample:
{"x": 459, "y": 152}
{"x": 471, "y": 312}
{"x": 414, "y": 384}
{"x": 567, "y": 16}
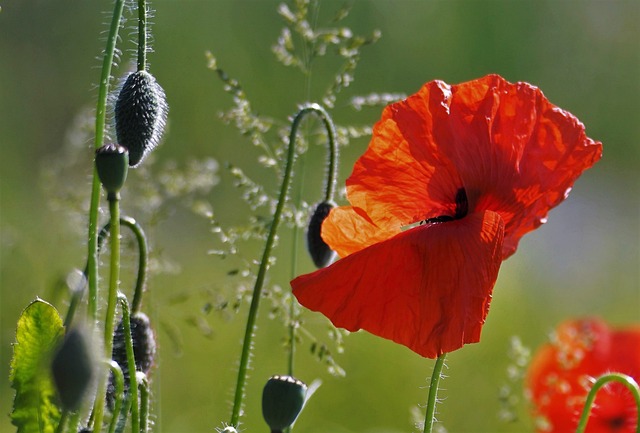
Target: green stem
{"x": 144, "y": 403}
{"x": 264, "y": 263}
{"x": 101, "y": 110}
{"x": 627, "y": 381}
{"x": 114, "y": 275}
{"x": 332, "y": 163}
{"x": 118, "y": 380}
{"x": 63, "y": 421}
{"x": 131, "y": 362}
{"x": 142, "y": 35}
{"x": 433, "y": 393}
{"x": 294, "y": 265}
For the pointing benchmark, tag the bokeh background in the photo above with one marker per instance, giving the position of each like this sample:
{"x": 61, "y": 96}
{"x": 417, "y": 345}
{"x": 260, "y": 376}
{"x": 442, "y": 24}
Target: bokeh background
{"x": 584, "y": 55}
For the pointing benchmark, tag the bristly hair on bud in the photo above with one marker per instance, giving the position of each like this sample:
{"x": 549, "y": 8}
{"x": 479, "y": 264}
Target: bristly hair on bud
{"x": 318, "y": 249}
{"x": 140, "y": 115}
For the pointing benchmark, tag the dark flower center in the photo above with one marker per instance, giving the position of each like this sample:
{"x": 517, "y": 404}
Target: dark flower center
{"x": 462, "y": 208}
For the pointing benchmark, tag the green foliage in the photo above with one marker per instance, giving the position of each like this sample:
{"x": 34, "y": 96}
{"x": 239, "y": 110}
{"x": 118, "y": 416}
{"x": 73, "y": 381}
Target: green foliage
{"x": 38, "y": 333}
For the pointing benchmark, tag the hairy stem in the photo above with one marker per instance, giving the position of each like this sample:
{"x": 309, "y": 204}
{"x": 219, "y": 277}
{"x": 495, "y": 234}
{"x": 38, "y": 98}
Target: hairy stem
{"x": 627, "y": 381}
{"x": 433, "y": 393}
{"x": 118, "y": 380}
{"x": 101, "y": 110}
{"x": 131, "y": 362}
{"x": 114, "y": 276}
{"x": 142, "y": 35}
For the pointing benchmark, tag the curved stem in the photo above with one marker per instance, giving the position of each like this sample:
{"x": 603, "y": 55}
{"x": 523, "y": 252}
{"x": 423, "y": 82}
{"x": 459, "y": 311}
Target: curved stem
{"x": 141, "y": 378}
{"x": 332, "y": 163}
{"x": 101, "y": 110}
{"x": 114, "y": 275}
{"x": 143, "y": 257}
{"x": 142, "y": 35}
{"x": 118, "y": 380}
{"x": 264, "y": 262}
{"x": 627, "y": 381}
{"x": 433, "y": 393}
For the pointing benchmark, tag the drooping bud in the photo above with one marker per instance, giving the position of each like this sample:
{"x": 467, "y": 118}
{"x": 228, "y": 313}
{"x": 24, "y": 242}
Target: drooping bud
{"x": 319, "y": 251}
{"x": 140, "y": 115}
{"x": 112, "y": 164}
{"x": 282, "y": 401}
{"x": 144, "y": 350}
{"x": 73, "y": 368}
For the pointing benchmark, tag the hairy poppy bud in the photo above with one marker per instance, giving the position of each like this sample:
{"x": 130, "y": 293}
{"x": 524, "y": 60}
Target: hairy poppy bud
{"x": 319, "y": 251}
{"x": 282, "y": 401}
{"x": 112, "y": 164}
{"x": 144, "y": 350}
{"x": 140, "y": 115}
{"x": 229, "y": 429}
{"x": 73, "y": 368}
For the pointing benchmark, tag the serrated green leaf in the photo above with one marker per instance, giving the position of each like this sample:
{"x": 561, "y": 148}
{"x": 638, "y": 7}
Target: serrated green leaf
{"x": 39, "y": 331}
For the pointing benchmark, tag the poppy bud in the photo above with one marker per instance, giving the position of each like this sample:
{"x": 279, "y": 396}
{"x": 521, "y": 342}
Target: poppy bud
{"x": 229, "y": 429}
{"x": 282, "y": 401}
{"x": 73, "y": 368}
{"x": 144, "y": 350}
{"x": 140, "y": 115}
{"x": 112, "y": 164}
{"x": 319, "y": 251}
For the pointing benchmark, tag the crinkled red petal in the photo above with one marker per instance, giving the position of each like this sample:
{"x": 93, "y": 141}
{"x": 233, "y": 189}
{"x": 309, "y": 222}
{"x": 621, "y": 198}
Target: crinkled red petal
{"x": 428, "y": 288}
{"x": 513, "y": 151}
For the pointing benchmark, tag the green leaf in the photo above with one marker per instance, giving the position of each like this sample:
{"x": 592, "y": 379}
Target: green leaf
{"x": 39, "y": 331}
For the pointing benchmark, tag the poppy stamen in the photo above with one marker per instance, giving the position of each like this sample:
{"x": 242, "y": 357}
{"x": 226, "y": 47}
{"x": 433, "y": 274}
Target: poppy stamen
{"x": 462, "y": 208}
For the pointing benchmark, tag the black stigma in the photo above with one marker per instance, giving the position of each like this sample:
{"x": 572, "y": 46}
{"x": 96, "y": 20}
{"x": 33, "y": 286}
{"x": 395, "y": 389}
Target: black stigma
{"x": 462, "y": 208}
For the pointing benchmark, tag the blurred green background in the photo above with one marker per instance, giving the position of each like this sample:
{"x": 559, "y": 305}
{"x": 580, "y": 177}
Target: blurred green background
{"x": 584, "y": 55}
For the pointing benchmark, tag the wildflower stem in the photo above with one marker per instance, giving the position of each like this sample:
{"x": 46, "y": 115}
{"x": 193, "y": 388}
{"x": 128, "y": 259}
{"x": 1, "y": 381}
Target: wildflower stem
{"x": 118, "y": 380}
{"x": 332, "y": 164}
{"x": 101, "y": 109}
{"x": 142, "y": 35}
{"x": 294, "y": 266}
{"x": 114, "y": 276}
{"x": 433, "y": 393}
{"x": 266, "y": 256}
{"x": 627, "y": 381}
{"x": 131, "y": 362}
{"x": 144, "y": 402}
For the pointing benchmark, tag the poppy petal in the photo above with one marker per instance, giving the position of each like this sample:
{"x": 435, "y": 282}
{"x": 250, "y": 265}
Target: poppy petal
{"x": 428, "y": 288}
{"x": 402, "y": 178}
{"x": 516, "y": 153}
{"x": 348, "y": 229}
{"x": 512, "y": 151}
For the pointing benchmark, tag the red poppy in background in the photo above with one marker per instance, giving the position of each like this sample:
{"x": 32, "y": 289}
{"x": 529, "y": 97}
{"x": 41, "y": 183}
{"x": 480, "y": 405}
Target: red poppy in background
{"x": 478, "y": 164}
{"x": 562, "y": 372}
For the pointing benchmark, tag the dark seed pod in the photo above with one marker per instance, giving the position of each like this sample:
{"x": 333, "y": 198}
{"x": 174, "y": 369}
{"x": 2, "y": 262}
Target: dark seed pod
{"x": 73, "y": 368}
{"x": 140, "y": 115}
{"x": 144, "y": 350}
{"x": 112, "y": 164}
{"x": 319, "y": 251}
{"x": 282, "y": 401}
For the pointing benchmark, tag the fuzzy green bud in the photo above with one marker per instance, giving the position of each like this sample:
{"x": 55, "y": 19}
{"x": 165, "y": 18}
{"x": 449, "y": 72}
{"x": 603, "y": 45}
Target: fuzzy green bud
{"x": 73, "y": 368}
{"x": 112, "y": 163}
{"x": 282, "y": 401}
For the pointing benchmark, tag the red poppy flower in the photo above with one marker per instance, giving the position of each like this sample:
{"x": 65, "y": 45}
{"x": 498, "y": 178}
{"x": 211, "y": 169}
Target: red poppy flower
{"x": 563, "y": 371}
{"x": 479, "y": 164}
